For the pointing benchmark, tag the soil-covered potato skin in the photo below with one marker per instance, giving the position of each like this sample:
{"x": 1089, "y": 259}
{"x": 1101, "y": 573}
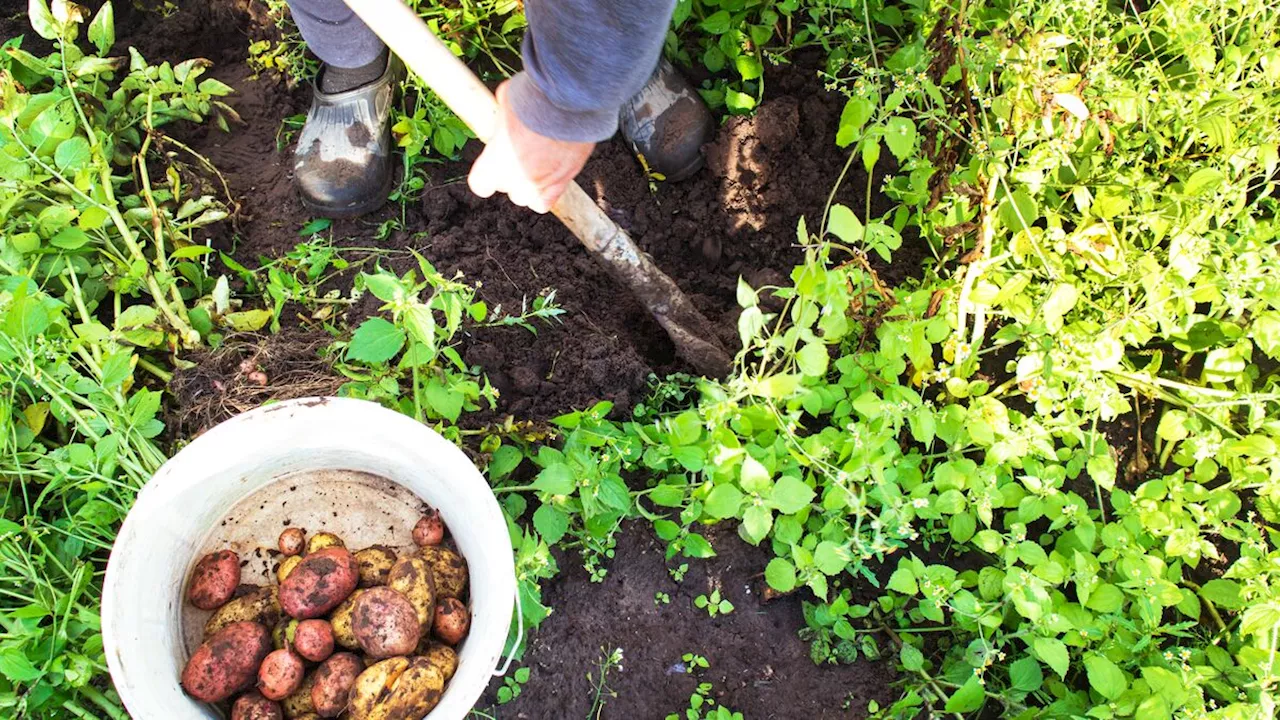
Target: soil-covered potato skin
{"x": 375, "y": 565}
{"x": 292, "y": 541}
{"x": 385, "y": 623}
{"x": 429, "y": 530}
{"x": 340, "y": 621}
{"x": 313, "y": 639}
{"x": 452, "y": 621}
{"x": 334, "y": 680}
{"x": 321, "y": 581}
{"x": 281, "y": 674}
{"x": 254, "y": 706}
{"x": 448, "y": 570}
{"x": 226, "y": 663}
{"x": 214, "y": 580}
{"x": 412, "y": 577}
{"x": 258, "y": 604}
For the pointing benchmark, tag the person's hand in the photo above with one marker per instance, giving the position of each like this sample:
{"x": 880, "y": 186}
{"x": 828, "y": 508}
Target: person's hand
{"x": 532, "y": 169}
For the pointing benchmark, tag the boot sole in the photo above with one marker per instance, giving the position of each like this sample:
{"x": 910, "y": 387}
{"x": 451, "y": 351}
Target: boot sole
{"x": 350, "y": 211}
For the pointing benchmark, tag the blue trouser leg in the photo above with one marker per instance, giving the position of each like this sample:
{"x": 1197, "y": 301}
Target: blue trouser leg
{"x": 335, "y": 34}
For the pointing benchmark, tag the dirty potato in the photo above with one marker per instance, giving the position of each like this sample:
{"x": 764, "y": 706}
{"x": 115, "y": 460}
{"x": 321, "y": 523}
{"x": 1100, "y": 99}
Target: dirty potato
{"x": 260, "y": 605}
{"x": 227, "y": 662}
{"x": 429, "y": 530}
{"x": 287, "y": 566}
{"x": 292, "y": 541}
{"x": 386, "y": 623}
{"x": 299, "y": 704}
{"x": 411, "y": 577}
{"x": 214, "y": 580}
{"x": 253, "y": 706}
{"x": 313, "y": 640}
{"x": 452, "y": 621}
{"x": 321, "y": 581}
{"x": 280, "y": 675}
{"x": 448, "y": 570}
{"x": 340, "y": 621}
{"x": 323, "y": 540}
{"x": 372, "y": 684}
{"x": 440, "y": 655}
{"x": 334, "y": 679}
{"x": 414, "y": 694}
{"x": 375, "y": 565}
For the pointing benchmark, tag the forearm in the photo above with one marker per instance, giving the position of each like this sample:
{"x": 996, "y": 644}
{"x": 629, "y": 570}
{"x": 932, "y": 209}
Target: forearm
{"x": 582, "y": 60}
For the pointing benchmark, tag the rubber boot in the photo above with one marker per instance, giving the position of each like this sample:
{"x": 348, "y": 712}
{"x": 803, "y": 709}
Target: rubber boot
{"x": 667, "y": 123}
{"x": 342, "y": 165}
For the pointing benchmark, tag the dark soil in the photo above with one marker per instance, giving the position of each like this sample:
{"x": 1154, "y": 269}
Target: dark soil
{"x": 758, "y": 665}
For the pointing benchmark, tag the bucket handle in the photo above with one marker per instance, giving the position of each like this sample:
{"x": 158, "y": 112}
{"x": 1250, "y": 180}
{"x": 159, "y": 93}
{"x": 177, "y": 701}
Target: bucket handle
{"x": 519, "y": 637}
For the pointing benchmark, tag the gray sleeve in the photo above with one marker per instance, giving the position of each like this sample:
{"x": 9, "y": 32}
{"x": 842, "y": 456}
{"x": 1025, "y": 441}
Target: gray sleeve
{"x": 582, "y": 60}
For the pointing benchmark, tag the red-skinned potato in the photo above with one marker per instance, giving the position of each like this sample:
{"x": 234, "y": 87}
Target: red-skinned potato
{"x": 319, "y": 583}
{"x": 385, "y": 623}
{"x": 227, "y": 662}
{"x": 214, "y": 580}
{"x": 333, "y": 683}
{"x": 292, "y": 541}
{"x": 429, "y": 530}
{"x": 452, "y": 621}
{"x": 313, "y": 639}
{"x": 280, "y": 675}
{"x": 253, "y": 706}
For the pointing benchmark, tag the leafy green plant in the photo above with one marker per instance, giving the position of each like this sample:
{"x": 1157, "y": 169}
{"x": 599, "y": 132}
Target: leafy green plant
{"x": 512, "y": 685}
{"x": 713, "y": 604}
{"x": 661, "y": 598}
{"x": 703, "y": 707}
{"x": 694, "y": 662}
{"x": 602, "y": 693}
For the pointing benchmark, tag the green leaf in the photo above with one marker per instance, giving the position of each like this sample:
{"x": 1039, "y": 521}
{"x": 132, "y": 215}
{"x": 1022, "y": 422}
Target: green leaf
{"x": 1223, "y": 593}
{"x": 254, "y": 320}
{"x": 911, "y": 658}
{"x": 1018, "y": 211}
{"x": 1261, "y": 619}
{"x": 555, "y": 479}
{"x": 749, "y": 66}
{"x": 780, "y": 574}
{"x": 813, "y": 359}
{"x": 756, "y": 523}
{"x": 13, "y": 664}
{"x": 375, "y": 341}
{"x": 1025, "y": 674}
{"x": 830, "y": 558}
{"x": 70, "y": 238}
{"x": 72, "y": 154}
{"x": 316, "y": 226}
{"x": 102, "y": 31}
{"x": 746, "y": 295}
{"x": 903, "y": 580}
{"x": 1105, "y": 677}
{"x": 738, "y": 102}
{"x": 191, "y": 251}
{"x": 385, "y": 287}
{"x": 696, "y": 546}
{"x": 1052, "y": 652}
{"x": 753, "y": 476}
{"x": 42, "y": 20}
{"x": 1060, "y": 302}
{"x": 857, "y": 111}
{"x": 844, "y": 224}
{"x": 551, "y": 523}
{"x": 613, "y": 492}
{"x": 136, "y": 316}
{"x": 1204, "y": 180}
{"x": 505, "y": 459}
{"x": 723, "y": 501}
{"x": 718, "y": 23}
{"x": 968, "y": 698}
{"x": 791, "y": 495}
{"x": 900, "y": 136}
{"x": 444, "y": 399}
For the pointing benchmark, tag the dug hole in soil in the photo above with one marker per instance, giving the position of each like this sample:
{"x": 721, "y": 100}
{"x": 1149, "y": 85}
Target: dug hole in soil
{"x": 735, "y": 218}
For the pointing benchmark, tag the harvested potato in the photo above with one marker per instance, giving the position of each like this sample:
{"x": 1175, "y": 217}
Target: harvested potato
{"x": 440, "y": 655}
{"x": 343, "y": 632}
{"x": 313, "y": 640}
{"x": 280, "y": 675}
{"x": 411, "y": 577}
{"x": 414, "y": 693}
{"x": 214, "y": 580}
{"x": 452, "y": 621}
{"x": 323, "y": 540}
{"x": 448, "y": 569}
{"x": 292, "y": 541}
{"x": 321, "y": 581}
{"x": 227, "y": 662}
{"x": 262, "y": 606}
{"x": 386, "y": 623}
{"x": 280, "y": 634}
{"x": 375, "y": 565}
{"x": 287, "y": 566}
{"x": 334, "y": 680}
{"x": 372, "y": 684}
{"x": 429, "y": 530}
{"x": 253, "y": 706}
{"x": 299, "y": 704}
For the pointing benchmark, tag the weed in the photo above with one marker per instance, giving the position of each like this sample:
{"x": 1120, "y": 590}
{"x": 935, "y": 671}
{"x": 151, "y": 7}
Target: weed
{"x": 602, "y": 693}
{"x": 660, "y": 598}
{"x": 512, "y": 685}
{"x": 713, "y": 604}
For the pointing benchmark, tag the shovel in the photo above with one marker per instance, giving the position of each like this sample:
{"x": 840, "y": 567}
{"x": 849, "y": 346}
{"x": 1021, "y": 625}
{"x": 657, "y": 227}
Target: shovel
{"x": 409, "y": 38}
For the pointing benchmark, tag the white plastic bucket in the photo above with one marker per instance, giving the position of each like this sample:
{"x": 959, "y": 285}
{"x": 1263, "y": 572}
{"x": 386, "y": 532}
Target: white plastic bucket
{"x": 183, "y": 512}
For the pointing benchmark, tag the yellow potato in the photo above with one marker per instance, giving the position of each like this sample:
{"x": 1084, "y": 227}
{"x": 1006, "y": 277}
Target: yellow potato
{"x": 261, "y": 606}
{"x": 412, "y": 578}
{"x": 373, "y": 685}
{"x": 416, "y": 692}
{"x": 375, "y": 565}
{"x": 448, "y": 570}
{"x": 320, "y": 541}
{"x": 344, "y": 632}
{"x": 286, "y": 566}
{"x": 299, "y": 705}
{"x": 440, "y": 655}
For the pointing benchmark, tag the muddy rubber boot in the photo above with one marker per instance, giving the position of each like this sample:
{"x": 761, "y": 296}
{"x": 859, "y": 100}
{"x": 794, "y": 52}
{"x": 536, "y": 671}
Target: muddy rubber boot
{"x": 667, "y": 123}
{"x": 342, "y": 165}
